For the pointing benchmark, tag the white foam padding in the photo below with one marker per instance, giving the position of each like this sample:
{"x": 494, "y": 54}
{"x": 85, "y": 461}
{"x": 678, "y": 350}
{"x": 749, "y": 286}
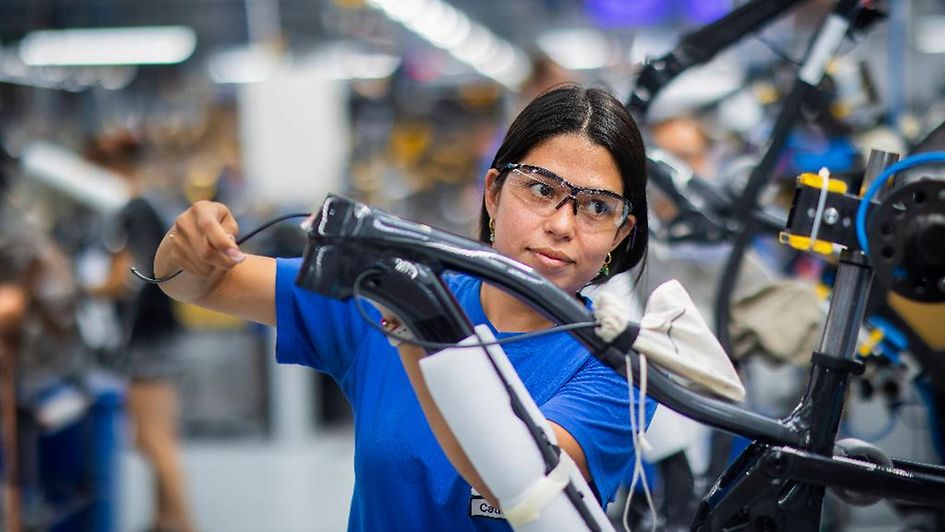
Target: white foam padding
{"x": 464, "y": 383}
{"x": 674, "y": 337}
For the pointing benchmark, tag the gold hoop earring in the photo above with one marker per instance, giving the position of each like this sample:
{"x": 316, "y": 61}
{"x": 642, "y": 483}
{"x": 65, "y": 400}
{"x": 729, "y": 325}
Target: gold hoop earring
{"x": 491, "y": 229}
{"x": 605, "y": 268}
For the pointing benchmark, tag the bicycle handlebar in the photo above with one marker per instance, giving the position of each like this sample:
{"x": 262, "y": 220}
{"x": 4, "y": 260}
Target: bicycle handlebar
{"x": 361, "y": 237}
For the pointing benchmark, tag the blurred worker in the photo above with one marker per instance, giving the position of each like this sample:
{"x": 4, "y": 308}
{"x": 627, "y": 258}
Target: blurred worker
{"x": 151, "y": 332}
{"x": 39, "y": 345}
{"x": 685, "y": 138}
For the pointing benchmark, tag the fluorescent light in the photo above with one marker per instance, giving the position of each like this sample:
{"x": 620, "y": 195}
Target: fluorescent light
{"x": 344, "y": 62}
{"x": 504, "y": 64}
{"x": 577, "y": 49}
{"x": 405, "y": 10}
{"x": 112, "y": 77}
{"x": 477, "y": 48}
{"x": 370, "y": 66}
{"x": 246, "y": 64}
{"x": 448, "y": 28}
{"x": 145, "y": 45}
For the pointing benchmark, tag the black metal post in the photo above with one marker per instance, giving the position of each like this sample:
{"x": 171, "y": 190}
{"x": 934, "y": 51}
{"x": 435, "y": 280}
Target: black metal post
{"x": 827, "y": 389}
{"x": 822, "y": 405}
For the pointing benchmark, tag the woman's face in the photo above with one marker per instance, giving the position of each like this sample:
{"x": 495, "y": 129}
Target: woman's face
{"x": 555, "y": 245}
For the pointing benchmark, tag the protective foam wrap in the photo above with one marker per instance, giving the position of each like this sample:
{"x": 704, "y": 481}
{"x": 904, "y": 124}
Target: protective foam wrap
{"x": 465, "y": 384}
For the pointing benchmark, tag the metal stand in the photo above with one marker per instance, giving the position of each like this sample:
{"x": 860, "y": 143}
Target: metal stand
{"x": 760, "y": 488}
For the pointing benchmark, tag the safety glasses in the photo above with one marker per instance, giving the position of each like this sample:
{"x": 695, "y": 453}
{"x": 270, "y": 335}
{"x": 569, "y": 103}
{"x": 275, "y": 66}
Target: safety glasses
{"x": 545, "y": 192}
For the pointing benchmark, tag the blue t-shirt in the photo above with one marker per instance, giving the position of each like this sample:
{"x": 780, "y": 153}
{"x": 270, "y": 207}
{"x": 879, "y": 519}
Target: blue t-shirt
{"x": 403, "y": 480}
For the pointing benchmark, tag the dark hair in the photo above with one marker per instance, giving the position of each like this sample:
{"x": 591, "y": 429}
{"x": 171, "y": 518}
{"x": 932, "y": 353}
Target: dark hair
{"x": 596, "y": 115}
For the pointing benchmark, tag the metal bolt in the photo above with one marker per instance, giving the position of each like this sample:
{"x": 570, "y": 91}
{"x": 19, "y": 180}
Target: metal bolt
{"x": 941, "y": 284}
{"x": 811, "y": 212}
{"x": 831, "y": 216}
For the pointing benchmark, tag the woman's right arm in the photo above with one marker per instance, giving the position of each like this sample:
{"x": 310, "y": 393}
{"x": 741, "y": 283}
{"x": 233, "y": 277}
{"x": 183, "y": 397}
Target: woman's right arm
{"x": 217, "y": 275}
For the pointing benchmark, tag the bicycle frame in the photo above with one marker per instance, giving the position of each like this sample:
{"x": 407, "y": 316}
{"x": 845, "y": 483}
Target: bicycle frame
{"x": 778, "y": 481}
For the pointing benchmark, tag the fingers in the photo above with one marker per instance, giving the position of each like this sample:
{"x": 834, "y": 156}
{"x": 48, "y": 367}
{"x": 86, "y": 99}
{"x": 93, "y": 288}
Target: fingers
{"x": 203, "y": 239}
{"x": 217, "y": 225}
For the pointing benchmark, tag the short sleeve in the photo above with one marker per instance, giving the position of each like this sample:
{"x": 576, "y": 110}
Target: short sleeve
{"x": 594, "y": 408}
{"x": 139, "y": 229}
{"x": 313, "y": 330}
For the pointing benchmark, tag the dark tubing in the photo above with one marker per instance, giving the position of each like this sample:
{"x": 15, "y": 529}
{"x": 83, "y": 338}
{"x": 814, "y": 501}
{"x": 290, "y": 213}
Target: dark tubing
{"x": 704, "y": 43}
{"x": 899, "y": 484}
{"x": 700, "y": 46}
{"x": 715, "y": 206}
{"x": 748, "y": 202}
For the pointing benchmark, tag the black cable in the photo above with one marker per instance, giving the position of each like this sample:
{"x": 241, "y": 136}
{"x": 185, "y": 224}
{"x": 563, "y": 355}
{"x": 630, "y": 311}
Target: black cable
{"x": 154, "y": 280}
{"x": 254, "y": 232}
{"x": 356, "y": 290}
{"x": 746, "y": 204}
{"x": 270, "y": 223}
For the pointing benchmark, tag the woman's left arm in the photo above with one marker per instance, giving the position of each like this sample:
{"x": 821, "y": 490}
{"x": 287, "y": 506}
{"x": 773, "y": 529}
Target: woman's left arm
{"x": 410, "y": 357}
{"x": 571, "y": 446}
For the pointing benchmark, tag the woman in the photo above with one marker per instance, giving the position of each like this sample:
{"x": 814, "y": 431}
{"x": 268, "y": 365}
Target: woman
{"x": 584, "y": 226}
{"x": 148, "y": 355}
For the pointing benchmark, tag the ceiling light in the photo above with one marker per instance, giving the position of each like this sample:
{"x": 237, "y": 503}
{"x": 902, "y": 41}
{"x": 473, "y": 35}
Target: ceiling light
{"x": 577, "y": 49}
{"x": 245, "y": 64}
{"x": 446, "y": 27}
{"x": 450, "y": 29}
{"x": 145, "y": 45}
{"x": 344, "y": 62}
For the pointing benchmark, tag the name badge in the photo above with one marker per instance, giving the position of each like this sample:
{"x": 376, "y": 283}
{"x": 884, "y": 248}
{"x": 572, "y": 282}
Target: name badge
{"x": 480, "y": 507}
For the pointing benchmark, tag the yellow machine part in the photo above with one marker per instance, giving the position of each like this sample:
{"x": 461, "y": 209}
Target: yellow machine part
{"x": 803, "y": 243}
{"x": 815, "y": 181}
{"x": 926, "y": 319}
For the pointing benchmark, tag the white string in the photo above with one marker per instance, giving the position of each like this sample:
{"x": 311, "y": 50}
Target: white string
{"x": 640, "y": 444}
{"x": 821, "y": 203}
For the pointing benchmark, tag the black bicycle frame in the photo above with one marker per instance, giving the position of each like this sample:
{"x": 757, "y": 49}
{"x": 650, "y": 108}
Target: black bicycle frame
{"x": 348, "y": 238}
{"x": 778, "y": 481}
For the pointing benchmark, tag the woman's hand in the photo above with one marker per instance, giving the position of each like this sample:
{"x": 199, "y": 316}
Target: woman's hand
{"x": 202, "y": 241}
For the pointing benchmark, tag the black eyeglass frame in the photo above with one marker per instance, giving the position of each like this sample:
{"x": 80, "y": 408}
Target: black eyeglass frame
{"x": 627, "y": 205}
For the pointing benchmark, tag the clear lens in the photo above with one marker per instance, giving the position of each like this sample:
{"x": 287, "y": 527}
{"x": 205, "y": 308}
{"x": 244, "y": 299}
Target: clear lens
{"x": 545, "y": 193}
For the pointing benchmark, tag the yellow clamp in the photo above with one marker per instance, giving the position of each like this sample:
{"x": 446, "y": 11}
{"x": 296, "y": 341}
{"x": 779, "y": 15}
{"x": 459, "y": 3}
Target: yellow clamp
{"x": 816, "y": 181}
{"x": 803, "y": 243}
